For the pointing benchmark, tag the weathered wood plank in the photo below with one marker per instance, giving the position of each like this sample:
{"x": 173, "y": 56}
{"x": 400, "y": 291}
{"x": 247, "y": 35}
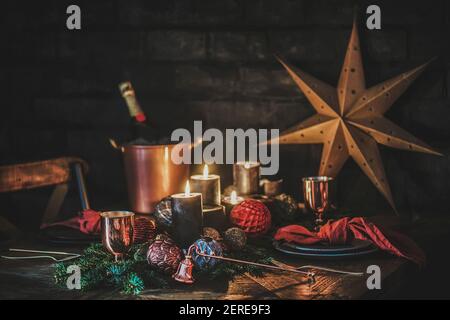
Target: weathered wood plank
{"x": 34, "y": 280}
{"x": 337, "y": 286}
{"x": 284, "y": 286}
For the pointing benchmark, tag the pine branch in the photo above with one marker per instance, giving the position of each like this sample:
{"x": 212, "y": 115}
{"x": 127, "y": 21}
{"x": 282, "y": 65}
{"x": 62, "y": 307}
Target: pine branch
{"x": 133, "y": 274}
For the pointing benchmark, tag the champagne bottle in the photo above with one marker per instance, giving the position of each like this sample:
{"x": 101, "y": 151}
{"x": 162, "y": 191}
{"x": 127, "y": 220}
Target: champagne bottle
{"x": 140, "y": 130}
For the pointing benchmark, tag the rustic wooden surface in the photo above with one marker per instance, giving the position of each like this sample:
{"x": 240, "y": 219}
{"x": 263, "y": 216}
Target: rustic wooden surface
{"x": 27, "y": 279}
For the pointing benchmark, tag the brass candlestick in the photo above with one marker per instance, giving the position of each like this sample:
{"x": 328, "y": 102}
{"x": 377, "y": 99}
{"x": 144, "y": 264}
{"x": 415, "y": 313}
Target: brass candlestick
{"x": 231, "y": 201}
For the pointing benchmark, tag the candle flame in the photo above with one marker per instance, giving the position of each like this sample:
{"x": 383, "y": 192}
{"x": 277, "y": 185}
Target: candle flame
{"x": 187, "y": 189}
{"x": 233, "y": 197}
{"x": 247, "y": 165}
{"x": 205, "y": 171}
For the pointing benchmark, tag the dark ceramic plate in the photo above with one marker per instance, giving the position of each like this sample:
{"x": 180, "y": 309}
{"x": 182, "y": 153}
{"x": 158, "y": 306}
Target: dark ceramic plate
{"x": 327, "y": 256}
{"x": 355, "y": 245}
{"x": 67, "y": 236}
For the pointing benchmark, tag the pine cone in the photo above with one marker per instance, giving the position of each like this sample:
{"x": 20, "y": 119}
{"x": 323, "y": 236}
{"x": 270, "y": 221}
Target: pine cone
{"x": 235, "y": 238}
{"x": 285, "y": 209}
{"x": 144, "y": 229}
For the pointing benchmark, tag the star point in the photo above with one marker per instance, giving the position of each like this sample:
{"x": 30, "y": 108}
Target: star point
{"x": 349, "y": 121}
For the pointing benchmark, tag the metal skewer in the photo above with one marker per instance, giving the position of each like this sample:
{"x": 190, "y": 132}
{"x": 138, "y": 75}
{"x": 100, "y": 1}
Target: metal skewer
{"x": 309, "y": 274}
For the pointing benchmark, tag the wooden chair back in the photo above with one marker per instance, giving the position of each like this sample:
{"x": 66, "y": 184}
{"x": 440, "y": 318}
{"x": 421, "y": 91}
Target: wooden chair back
{"x": 53, "y": 172}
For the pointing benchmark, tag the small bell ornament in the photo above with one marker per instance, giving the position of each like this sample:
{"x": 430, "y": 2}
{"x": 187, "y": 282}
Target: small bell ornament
{"x": 184, "y": 271}
{"x": 207, "y": 246}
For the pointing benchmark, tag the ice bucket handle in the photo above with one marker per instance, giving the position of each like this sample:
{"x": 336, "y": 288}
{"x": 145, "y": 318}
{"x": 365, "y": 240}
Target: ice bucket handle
{"x": 116, "y": 145}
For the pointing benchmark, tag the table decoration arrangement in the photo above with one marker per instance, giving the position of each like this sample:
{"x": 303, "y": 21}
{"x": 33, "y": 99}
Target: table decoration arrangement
{"x": 148, "y": 267}
{"x": 175, "y": 246}
{"x": 162, "y": 261}
{"x": 201, "y": 234}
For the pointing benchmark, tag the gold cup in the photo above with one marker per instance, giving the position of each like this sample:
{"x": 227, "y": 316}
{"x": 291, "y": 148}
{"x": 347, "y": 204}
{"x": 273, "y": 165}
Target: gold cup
{"x": 117, "y": 232}
{"x": 317, "y": 196}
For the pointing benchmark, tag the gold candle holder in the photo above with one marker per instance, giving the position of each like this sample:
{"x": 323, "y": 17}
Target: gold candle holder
{"x": 187, "y": 217}
{"x": 208, "y": 185}
{"x": 231, "y": 201}
{"x": 246, "y": 177}
{"x": 215, "y": 217}
{"x": 272, "y": 187}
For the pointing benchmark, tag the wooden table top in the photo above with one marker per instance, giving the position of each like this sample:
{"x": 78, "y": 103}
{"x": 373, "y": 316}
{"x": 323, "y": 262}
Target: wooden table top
{"x": 33, "y": 279}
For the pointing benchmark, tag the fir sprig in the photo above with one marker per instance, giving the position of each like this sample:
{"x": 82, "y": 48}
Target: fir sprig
{"x": 133, "y": 274}
{"x": 133, "y": 284}
{"x": 98, "y": 268}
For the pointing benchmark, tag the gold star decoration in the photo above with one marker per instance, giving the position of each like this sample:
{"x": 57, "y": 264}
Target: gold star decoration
{"x": 349, "y": 120}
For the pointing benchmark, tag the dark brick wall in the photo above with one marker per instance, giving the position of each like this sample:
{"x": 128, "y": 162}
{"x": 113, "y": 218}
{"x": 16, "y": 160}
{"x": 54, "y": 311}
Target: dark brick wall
{"x": 213, "y": 60}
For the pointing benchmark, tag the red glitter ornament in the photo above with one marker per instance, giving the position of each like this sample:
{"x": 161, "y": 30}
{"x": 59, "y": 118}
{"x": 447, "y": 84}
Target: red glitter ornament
{"x": 144, "y": 229}
{"x": 252, "y": 216}
{"x": 164, "y": 254}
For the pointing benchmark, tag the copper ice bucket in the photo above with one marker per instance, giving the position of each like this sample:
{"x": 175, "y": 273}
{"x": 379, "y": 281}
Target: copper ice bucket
{"x": 151, "y": 175}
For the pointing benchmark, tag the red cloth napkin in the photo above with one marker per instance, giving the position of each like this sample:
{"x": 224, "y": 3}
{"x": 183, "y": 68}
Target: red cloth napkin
{"x": 87, "y": 222}
{"x": 344, "y": 230}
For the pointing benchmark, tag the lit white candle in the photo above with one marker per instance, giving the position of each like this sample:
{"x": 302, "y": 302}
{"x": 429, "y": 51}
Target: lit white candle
{"x": 233, "y": 197}
{"x": 231, "y": 201}
{"x": 208, "y": 185}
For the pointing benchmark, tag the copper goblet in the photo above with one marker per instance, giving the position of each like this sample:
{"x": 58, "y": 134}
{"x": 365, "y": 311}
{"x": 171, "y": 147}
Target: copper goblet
{"x": 317, "y": 196}
{"x": 117, "y": 232}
